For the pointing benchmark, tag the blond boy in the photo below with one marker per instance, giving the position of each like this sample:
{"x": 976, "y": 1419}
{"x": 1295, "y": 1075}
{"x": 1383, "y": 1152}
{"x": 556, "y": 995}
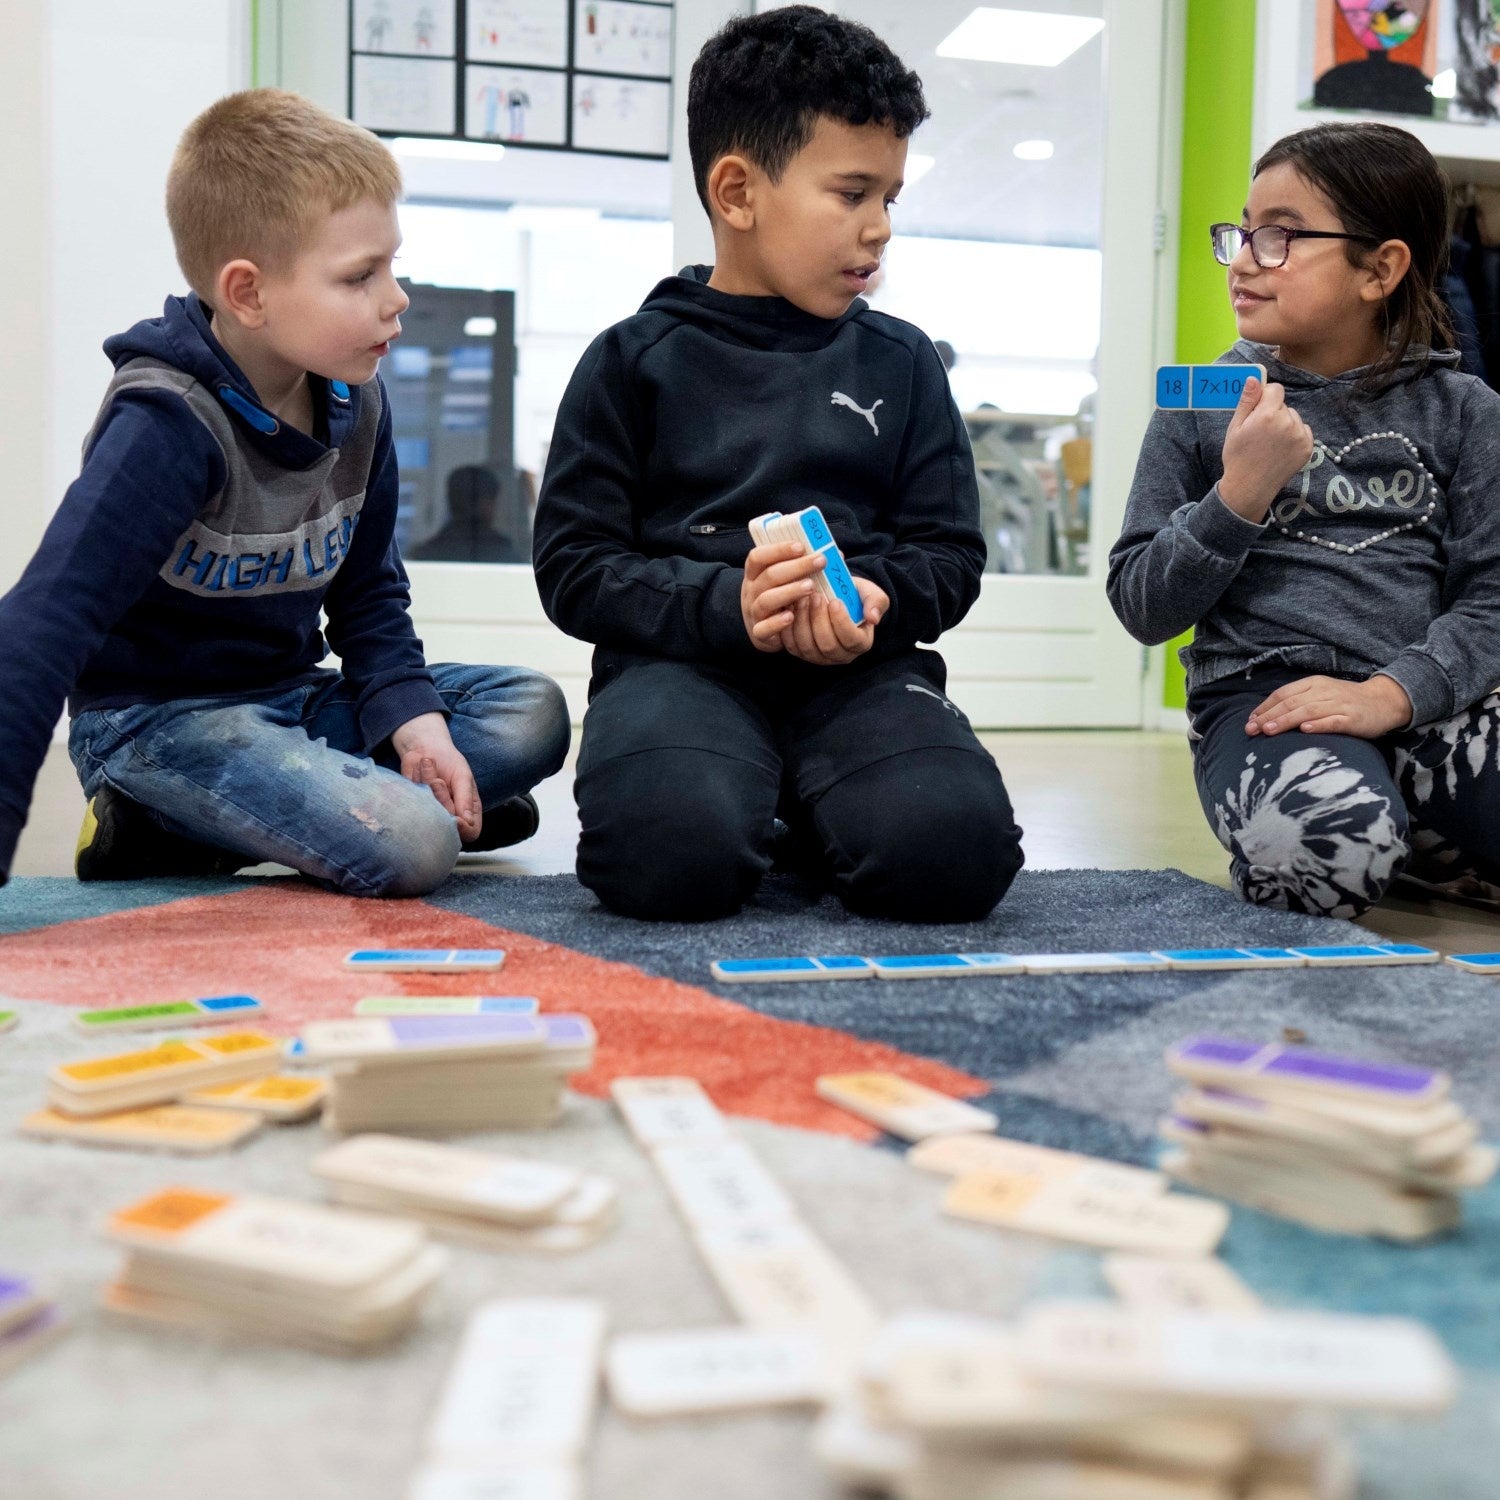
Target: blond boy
{"x": 239, "y": 484}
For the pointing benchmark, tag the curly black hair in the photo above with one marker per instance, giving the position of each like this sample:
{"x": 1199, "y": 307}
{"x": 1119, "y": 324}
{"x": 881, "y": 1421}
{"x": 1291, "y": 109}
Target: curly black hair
{"x": 760, "y": 83}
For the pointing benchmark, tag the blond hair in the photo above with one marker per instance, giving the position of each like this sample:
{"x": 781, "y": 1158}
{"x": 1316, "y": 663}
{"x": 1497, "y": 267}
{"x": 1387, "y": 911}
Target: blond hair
{"x": 255, "y": 172}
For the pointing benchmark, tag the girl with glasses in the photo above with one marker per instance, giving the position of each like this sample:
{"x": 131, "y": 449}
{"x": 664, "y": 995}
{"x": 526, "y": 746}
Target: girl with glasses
{"x": 1334, "y": 543}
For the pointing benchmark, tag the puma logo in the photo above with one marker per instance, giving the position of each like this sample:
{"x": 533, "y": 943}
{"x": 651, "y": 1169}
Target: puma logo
{"x": 840, "y": 399}
{"x": 912, "y": 687}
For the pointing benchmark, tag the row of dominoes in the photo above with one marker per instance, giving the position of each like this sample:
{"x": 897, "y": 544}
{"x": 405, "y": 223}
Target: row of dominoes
{"x": 955, "y": 965}
{"x": 774, "y": 1272}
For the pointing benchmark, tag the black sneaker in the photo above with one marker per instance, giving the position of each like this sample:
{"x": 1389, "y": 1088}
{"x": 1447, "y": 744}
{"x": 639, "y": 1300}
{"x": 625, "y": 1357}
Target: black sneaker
{"x": 120, "y": 841}
{"x": 513, "y": 822}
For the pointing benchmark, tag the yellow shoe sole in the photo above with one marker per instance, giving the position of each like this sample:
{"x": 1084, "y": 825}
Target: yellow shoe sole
{"x": 85, "y": 834}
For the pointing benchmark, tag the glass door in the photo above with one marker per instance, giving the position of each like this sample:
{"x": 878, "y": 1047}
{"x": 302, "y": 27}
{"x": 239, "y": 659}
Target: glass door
{"x": 1024, "y": 248}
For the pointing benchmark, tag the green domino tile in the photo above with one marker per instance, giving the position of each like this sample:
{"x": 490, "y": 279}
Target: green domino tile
{"x": 124, "y": 1015}
{"x": 418, "y": 1005}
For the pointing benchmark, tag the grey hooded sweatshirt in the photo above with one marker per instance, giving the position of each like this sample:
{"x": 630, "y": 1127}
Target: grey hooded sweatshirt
{"x": 1381, "y": 555}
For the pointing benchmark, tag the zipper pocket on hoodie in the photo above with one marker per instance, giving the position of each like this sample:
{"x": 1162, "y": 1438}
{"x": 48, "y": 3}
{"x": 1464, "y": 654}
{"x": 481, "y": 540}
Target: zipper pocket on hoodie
{"x": 713, "y": 529}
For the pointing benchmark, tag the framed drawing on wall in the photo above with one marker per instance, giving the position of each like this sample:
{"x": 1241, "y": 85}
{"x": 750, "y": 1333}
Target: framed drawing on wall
{"x": 1375, "y": 56}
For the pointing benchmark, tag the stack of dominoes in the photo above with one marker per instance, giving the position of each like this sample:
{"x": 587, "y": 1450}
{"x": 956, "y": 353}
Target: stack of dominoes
{"x": 1091, "y": 1401}
{"x": 301, "y": 1272}
{"x": 1342, "y": 1144}
{"x": 473, "y": 1197}
{"x": 29, "y": 1319}
{"x": 448, "y": 1073}
{"x": 159, "y": 1074}
{"x": 191, "y": 1095}
{"x": 808, "y": 528}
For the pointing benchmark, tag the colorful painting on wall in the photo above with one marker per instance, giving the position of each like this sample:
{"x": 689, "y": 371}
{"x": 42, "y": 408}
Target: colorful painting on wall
{"x": 1376, "y": 56}
{"x": 1477, "y": 69}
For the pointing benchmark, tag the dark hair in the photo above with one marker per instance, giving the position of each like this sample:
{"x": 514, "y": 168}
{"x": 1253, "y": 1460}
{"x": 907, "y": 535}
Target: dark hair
{"x": 1384, "y": 185}
{"x": 472, "y": 492}
{"x": 760, "y": 83}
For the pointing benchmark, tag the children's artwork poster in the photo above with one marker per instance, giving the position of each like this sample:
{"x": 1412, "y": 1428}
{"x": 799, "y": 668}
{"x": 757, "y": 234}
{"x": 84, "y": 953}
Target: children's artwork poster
{"x": 629, "y": 115}
{"x": 1476, "y": 98}
{"x": 404, "y": 95}
{"x": 622, "y": 36}
{"x": 521, "y": 106}
{"x": 415, "y": 28}
{"x": 528, "y": 32}
{"x": 570, "y": 75}
{"x": 1375, "y": 56}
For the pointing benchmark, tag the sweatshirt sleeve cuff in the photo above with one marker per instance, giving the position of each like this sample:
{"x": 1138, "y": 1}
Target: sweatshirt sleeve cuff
{"x": 1220, "y": 530}
{"x": 722, "y": 623}
{"x": 1426, "y": 684}
{"x": 387, "y": 710}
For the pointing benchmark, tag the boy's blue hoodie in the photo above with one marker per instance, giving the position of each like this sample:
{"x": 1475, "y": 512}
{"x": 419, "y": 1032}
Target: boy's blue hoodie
{"x": 196, "y": 550}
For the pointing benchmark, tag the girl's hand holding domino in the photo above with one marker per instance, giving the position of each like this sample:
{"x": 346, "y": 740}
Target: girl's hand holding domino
{"x": 1266, "y": 444}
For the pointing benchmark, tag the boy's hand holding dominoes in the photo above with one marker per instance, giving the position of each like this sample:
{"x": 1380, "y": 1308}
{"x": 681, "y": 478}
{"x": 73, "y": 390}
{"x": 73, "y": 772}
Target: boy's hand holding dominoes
{"x": 799, "y": 596}
{"x": 823, "y": 633}
{"x": 429, "y": 756}
{"x": 777, "y": 575}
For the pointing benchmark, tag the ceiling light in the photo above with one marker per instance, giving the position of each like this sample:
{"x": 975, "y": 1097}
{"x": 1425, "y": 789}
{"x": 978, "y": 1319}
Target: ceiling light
{"x": 417, "y": 147}
{"x": 1034, "y": 150}
{"x": 1445, "y": 84}
{"x": 917, "y": 167}
{"x": 1019, "y": 36}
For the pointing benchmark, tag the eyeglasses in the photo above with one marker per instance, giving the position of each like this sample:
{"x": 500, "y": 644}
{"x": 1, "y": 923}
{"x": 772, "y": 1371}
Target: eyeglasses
{"x": 1270, "y": 244}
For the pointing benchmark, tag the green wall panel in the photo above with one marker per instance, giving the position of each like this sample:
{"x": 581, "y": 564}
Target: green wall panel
{"x": 1217, "y": 108}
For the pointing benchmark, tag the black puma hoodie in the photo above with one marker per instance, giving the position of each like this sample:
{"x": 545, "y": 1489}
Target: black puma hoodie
{"x": 705, "y": 410}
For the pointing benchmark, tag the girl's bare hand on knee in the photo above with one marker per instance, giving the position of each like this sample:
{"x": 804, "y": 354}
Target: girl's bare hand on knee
{"x": 1330, "y": 705}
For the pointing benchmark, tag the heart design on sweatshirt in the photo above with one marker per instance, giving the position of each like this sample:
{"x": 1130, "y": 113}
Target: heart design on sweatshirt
{"x": 1403, "y": 489}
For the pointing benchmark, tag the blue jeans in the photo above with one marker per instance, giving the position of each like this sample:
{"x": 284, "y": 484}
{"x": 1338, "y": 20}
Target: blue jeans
{"x": 282, "y": 775}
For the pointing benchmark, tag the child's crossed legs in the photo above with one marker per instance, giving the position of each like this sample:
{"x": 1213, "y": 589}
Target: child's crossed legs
{"x": 1324, "y": 823}
{"x": 284, "y": 776}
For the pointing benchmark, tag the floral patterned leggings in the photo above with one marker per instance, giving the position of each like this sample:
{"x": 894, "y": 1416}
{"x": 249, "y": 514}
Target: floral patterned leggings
{"x": 1324, "y": 823}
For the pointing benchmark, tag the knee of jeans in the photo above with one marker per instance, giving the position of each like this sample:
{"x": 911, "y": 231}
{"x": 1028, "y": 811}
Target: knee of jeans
{"x": 678, "y": 841}
{"x": 553, "y": 726}
{"x": 409, "y": 849}
{"x": 534, "y": 730}
{"x": 924, "y": 859}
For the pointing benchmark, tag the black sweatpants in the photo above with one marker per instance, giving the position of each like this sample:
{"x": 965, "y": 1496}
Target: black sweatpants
{"x": 684, "y": 768}
{"x": 1324, "y": 823}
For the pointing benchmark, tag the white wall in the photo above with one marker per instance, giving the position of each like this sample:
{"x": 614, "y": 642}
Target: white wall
{"x": 694, "y": 23}
{"x": 124, "y": 82}
{"x": 25, "y": 350}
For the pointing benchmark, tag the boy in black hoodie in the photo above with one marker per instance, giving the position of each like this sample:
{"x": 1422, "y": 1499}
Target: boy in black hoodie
{"x": 727, "y": 695}
{"x": 240, "y": 481}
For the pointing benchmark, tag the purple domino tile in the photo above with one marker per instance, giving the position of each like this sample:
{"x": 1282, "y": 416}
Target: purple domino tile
{"x": 1350, "y": 1073}
{"x": 1296, "y": 1065}
{"x": 567, "y": 1031}
{"x": 411, "y": 1030}
{"x": 1217, "y": 1049}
